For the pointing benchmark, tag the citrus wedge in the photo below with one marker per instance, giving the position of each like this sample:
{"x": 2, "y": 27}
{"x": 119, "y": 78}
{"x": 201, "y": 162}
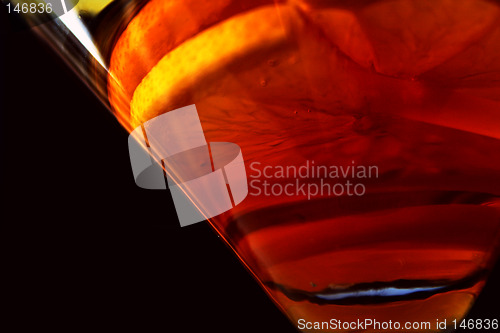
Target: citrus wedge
{"x": 159, "y": 27}
{"x": 269, "y": 54}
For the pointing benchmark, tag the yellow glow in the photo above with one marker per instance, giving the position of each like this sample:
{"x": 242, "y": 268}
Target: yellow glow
{"x": 211, "y": 52}
{"x": 92, "y": 6}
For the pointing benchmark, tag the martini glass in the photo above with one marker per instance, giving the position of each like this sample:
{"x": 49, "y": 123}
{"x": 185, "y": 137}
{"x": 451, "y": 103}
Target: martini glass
{"x": 369, "y": 133}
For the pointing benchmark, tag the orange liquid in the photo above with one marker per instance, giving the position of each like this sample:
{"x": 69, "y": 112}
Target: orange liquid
{"x": 417, "y": 256}
{"x": 417, "y": 246}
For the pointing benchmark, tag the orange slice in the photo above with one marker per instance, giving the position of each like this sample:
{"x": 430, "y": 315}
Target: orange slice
{"x": 269, "y": 54}
{"x": 159, "y": 27}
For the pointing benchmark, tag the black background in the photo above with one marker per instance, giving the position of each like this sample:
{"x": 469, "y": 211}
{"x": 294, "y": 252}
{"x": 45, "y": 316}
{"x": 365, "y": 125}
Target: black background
{"x": 87, "y": 248}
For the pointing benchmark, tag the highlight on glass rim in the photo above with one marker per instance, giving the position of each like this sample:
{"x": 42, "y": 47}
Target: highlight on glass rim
{"x": 369, "y": 132}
